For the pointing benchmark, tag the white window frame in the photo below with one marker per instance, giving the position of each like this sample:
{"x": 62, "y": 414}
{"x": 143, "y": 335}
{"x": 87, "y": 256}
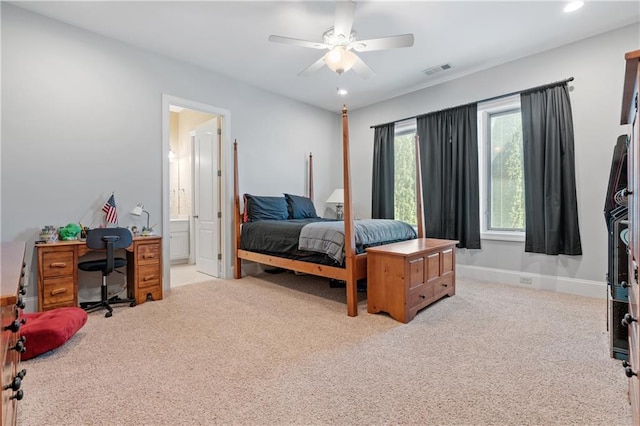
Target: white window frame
{"x": 484, "y": 111}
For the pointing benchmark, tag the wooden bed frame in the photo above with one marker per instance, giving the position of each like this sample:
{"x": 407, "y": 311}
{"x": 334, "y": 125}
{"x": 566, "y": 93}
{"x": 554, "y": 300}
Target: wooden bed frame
{"x": 355, "y": 264}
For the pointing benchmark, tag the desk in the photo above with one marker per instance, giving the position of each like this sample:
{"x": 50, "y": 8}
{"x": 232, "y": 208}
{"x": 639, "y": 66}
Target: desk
{"x": 58, "y": 271}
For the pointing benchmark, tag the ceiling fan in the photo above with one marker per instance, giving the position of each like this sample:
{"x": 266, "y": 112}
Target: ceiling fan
{"x": 340, "y": 41}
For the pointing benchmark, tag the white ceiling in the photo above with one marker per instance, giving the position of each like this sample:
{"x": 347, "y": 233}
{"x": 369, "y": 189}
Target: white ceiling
{"x": 230, "y": 38}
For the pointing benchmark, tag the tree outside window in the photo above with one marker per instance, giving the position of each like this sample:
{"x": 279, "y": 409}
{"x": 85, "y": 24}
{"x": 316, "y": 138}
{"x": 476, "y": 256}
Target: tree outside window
{"x": 405, "y": 177}
{"x": 506, "y": 183}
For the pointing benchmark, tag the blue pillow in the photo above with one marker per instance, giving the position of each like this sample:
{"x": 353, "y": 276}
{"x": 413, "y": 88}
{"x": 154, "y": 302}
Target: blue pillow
{"x": 300, "y": 207}
{"x": 265, "y": 208}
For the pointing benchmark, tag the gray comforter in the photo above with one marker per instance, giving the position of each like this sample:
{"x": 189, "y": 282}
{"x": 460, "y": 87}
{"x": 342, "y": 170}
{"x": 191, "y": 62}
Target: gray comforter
{"x": 328, "y": 237}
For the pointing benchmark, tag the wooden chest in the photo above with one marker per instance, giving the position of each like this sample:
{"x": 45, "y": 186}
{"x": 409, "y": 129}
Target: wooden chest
{"x": 404, "y": 277}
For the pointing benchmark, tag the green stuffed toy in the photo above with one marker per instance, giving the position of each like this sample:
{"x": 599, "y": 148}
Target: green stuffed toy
{"x": 69, "y": 232}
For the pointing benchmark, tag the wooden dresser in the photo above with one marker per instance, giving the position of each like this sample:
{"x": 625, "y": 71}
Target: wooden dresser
{"x": 11, "y": 292}
{"x": 404, "y": 277}
{"x": 629, "y": 117}
{"x": 58, "y": 271}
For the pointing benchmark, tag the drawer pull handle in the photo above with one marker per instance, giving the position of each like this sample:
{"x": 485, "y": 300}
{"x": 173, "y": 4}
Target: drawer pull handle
{"x": 19, "y": 347}
{"x": 627, "y": 369}
{"x": 445, "y": 285}
{"x": 149, "y": 255}
{"x": 20, "y": 303}
{"x": 14, "y": 326}
{"x": 58, "y": 291}
{"x": 149, "y": 277}
{"x": 59, "y": 265}
{"x": 14, "y": 385}
{"x": 627, "y": 319}
{"x": 422, "y": 296}
{"x": 18, "y": 396}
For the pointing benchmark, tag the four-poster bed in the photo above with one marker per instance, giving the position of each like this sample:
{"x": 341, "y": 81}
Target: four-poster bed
{"x": 354, "y": 265}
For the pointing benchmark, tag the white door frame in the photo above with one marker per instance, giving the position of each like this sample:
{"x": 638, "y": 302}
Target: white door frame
{"x": 226, "y": 193}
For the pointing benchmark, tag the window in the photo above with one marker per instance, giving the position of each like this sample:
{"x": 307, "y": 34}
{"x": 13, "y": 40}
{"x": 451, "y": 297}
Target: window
{"x": 501, "y": 169}
{"x": 405, "y": 172}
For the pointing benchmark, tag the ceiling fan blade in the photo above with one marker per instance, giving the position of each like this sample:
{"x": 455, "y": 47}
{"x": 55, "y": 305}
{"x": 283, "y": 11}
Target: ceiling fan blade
{"x": 345, "y": 12}
{"x": 298, "y": 42}
{"x": 393, "y": 42}
{"x": 362, "y": 69}
{"x": 312, "y": 68}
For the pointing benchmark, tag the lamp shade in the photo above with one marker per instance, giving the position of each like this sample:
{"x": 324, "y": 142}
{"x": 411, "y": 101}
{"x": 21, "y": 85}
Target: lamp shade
{"x": 337, "y": 196}
{"x": 137, "y": 210}
{"x": 339, "y": 59}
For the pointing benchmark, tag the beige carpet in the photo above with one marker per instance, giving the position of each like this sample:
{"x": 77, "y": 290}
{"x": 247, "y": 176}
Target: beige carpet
{"x": 280, "y": 349}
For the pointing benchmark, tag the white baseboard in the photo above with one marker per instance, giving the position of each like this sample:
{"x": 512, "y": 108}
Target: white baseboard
{"x": 537, "y": 281}
{"x": 30, "y": 304}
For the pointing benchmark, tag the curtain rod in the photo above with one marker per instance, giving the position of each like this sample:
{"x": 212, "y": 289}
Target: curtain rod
{"x": 566, "y": 80}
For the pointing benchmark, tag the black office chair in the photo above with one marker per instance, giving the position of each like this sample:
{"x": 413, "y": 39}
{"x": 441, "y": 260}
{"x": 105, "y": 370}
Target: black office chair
{"x": 109, "y": 239}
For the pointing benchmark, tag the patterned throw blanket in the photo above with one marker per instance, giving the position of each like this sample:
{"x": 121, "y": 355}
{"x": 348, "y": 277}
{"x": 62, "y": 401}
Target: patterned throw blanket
{"x": 328, "y": 237}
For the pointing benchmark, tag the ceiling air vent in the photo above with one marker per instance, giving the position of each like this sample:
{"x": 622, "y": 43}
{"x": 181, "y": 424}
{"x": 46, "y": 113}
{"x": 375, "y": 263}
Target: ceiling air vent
{"x": 436, "y": 69}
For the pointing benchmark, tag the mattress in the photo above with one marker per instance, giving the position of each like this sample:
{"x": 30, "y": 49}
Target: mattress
{"x": 281, "y": 238}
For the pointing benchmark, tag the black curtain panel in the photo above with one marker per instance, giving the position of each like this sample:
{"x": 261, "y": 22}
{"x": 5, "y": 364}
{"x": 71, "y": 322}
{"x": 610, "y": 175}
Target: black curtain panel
{"x": 383, "y": 172}
{"x": 551, "y": 206}
{"x": 449, "y": 160}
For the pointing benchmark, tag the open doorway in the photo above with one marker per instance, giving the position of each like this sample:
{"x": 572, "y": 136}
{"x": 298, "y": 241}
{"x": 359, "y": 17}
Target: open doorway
{"x": 193, "y": 191}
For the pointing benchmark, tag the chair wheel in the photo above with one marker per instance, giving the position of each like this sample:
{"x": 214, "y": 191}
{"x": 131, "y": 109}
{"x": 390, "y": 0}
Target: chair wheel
{"x": 132, "y": 304}
{"x": 108, "y": 314}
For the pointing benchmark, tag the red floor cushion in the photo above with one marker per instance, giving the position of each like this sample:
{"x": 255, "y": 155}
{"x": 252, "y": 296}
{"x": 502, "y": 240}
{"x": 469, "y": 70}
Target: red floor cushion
{"x": 48, "y": 330}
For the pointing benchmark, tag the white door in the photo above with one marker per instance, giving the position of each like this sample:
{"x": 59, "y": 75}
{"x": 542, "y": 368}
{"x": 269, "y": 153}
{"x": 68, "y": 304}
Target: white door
{"x": 206, "y": 209}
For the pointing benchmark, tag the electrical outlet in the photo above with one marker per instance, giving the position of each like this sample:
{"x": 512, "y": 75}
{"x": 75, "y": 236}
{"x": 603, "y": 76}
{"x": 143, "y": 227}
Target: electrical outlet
{"x": 525, "y": 280}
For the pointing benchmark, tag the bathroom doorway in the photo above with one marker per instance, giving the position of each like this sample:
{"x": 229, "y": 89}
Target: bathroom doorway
{"x": 193, "y": 188}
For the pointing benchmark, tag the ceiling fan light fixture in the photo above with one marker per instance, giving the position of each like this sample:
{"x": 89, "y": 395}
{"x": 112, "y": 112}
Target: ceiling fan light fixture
{"x": 573, "y": 6}
{"x": 339, "y": 59}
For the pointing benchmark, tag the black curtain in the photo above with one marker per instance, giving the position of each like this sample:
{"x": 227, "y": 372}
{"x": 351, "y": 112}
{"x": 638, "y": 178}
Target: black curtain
{"x": 551, "y": 206}
{"x": 449, "y": 160}
{"x": 383, "y": 172}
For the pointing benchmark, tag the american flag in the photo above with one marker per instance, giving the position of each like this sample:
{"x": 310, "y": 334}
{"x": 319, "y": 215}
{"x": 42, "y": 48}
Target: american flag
{"x": 110, "y": 209}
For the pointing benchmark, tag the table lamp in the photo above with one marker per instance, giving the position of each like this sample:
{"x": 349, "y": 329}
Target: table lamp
{"x": 337, "y": 198}
{"x": 137, "y": 211}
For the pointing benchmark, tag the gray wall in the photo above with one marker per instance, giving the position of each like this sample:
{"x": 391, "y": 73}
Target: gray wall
{"x": 598, "y": 67}
{"x": 82, "y": 117}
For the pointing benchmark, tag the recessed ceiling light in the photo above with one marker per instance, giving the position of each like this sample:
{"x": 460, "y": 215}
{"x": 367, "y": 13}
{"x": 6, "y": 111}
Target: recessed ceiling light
{"x": 573, "y": 6}
{"x": 341, "y": 92}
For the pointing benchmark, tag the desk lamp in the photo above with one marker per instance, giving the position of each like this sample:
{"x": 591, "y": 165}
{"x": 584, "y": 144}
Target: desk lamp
{"x": 337, "y": 198}
{"x": 137, "y": 211}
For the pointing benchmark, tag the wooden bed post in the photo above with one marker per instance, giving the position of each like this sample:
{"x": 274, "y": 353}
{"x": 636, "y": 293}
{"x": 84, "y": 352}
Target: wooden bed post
{"x": 237, "y": 214}
{"x": 349, "y": 235}
{"x": 355, "y": 265}
{"x": 419, "y": 206}
{"x": 311, "y": 176}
